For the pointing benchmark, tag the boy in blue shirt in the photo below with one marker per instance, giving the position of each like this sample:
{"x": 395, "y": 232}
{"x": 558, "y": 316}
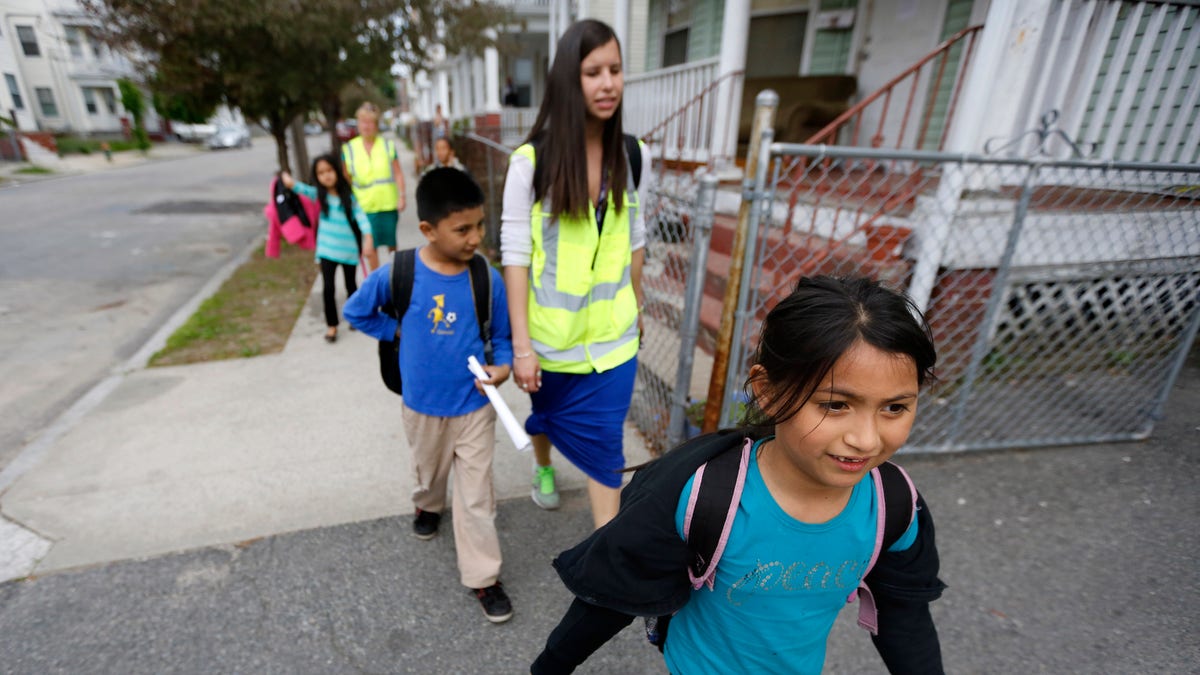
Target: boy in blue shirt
{"x": 447, "y": 419}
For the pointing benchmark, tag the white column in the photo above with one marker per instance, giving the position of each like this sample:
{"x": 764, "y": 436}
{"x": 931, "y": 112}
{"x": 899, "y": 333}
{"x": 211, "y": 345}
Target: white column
{"x": 552, "y": 30}
{"x": 734, "y": 33}
{"x": 1004, "y": 62}
{"x": 491, "y": 74}
{"x": 478, "y": 83}
{"x": 1006, "y": 59}
{"x": 441, "y": 90}
{"x": 621, "y": 26}
{"x": 466, "y": 106}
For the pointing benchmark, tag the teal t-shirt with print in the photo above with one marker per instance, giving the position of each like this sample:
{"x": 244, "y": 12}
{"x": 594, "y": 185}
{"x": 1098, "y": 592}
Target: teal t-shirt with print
{"x": 779, "y": 585}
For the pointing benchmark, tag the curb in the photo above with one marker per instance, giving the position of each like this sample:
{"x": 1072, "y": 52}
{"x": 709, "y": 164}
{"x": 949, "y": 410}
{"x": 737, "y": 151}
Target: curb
{"x": 33, "y": 453}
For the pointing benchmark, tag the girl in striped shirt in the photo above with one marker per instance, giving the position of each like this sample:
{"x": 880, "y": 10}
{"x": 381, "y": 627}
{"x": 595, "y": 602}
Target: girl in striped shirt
{"x": 343, "y": 232}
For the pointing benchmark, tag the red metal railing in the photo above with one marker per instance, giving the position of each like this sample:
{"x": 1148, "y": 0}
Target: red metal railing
{"x": 934, "y": 64}
{"x": 866, "y": 202}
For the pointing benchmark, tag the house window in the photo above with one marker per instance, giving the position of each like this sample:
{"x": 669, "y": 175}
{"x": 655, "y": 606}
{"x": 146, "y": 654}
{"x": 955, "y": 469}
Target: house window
{"x": 89, "y": 100}
{"x": 45, "y": 99}
{"x": 28, "y": 40}
{"x": 675, "y": 40}
{"x": 14, "y": 91}
{"x": 74, "y": 42}
{"x": 774, "y": 45}
{"x": 110, "y": 100}
{"x": 95, "y": 44}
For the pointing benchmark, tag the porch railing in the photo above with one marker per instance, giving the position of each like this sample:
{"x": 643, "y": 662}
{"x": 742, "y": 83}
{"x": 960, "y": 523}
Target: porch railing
{"x": 931, "y": 85}
{"x": 515, "y": 124}
{"x": 673, "y": 109}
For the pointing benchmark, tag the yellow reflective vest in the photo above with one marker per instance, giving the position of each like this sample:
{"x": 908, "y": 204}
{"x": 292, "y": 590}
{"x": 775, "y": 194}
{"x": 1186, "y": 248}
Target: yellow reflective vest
{"x": 582, "y": 308}
{"x": 371, "y": 174}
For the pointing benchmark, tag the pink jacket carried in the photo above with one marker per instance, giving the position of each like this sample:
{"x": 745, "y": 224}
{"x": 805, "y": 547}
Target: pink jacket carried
{"x": 286, "y": 213}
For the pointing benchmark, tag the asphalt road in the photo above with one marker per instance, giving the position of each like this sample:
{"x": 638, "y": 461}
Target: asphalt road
{"x": 1059, "y": 560}
{"x": 92, "y": 265}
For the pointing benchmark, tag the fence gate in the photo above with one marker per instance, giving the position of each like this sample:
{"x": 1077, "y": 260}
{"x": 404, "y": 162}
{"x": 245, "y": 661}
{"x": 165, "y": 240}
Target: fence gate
{"x": 1064, "y": 295}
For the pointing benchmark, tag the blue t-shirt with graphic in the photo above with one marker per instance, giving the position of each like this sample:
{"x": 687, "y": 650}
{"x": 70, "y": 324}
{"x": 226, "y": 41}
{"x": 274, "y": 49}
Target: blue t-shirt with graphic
{"x": 780, "y": 583}
{"x": 437, "y": 333}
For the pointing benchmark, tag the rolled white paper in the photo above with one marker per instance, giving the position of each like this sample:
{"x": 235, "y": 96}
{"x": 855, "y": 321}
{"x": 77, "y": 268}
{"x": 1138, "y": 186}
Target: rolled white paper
{"x": 515, "y": 431}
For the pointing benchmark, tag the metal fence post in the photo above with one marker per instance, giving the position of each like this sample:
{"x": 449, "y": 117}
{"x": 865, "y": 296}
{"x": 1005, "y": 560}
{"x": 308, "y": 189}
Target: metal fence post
{"x": 766, "y": 104}
{"x": 702, "y": 224}
{"x": 992, "y": 308}
{"x": 760, "y": 212}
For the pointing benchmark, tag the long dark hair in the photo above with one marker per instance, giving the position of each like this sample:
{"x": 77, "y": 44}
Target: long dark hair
{"x": 809, "y": 330}
{"x": 561, "y": 168}
{"x": 344, "y": 192}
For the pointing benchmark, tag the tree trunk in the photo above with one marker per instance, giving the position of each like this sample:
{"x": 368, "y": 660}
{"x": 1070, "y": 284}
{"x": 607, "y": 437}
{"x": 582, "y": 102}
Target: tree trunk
{"x": 279, "y": 133}
{"x": 332, "y": 107}
{"x": 299, "y": 145}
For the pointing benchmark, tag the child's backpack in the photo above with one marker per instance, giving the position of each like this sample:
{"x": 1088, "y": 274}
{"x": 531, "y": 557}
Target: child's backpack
{"x": 293, "y": 217}
{"x": 404, "y": 265}
{"x": 712, "y": 504}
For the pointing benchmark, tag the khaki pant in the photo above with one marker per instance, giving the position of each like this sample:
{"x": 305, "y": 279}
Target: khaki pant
{"x": 466, "y": 444}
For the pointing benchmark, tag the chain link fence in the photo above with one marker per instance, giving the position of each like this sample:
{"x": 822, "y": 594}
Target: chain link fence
{"x": 677, "y": 233}
{"x": 672, "y": 373}
{"x": 1064, "y": 295}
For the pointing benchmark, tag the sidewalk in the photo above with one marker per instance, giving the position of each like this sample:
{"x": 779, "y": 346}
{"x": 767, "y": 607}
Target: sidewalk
{"x": 70, "y": 165}
{"x": 190, "y": 456}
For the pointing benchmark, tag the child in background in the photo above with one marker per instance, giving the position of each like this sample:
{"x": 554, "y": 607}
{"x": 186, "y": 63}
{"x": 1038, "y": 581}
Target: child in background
{"x": 447, "y": 418}
{"x": 834, "y": 395}
{"x": 343, "y": 232}
{"x": 444, "y": 156}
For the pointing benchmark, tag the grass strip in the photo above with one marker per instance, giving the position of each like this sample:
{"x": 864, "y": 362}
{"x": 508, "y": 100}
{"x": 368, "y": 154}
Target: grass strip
{"x": 252, "y": 313}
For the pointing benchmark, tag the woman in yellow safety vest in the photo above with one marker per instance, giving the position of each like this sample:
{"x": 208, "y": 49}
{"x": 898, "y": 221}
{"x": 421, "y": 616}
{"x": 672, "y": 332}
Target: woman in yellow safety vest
{"x": 373, "y": 169}
{"x": 572, "y": 239}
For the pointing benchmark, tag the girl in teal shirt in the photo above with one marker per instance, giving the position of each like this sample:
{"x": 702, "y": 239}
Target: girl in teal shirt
{"x": 343, "y": 232}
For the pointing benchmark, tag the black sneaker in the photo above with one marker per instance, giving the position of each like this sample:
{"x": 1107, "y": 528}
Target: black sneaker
{"x": 425, "y": 525}
{"x": 496, "y": 605}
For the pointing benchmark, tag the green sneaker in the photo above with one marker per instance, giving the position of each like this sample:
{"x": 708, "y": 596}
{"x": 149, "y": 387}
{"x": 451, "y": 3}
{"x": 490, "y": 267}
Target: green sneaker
{"x": 545, "y": 494}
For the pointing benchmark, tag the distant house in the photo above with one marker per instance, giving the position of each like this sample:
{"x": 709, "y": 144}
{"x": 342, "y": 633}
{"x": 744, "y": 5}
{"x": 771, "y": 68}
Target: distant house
{"x": 1122, "y": 74}
{"x": 58, "y": 76}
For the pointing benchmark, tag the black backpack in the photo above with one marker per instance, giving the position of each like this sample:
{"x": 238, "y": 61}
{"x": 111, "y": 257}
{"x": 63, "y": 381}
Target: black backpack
{"x": 716, "y": 491}
{"x": 404, "y": 264}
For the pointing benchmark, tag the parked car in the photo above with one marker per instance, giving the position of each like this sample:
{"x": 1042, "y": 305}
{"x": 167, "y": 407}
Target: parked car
{"x": 230, "y": 136}
{"x": 312, "y": 129}
{"x": 347, "y": 129}
{"x": 192, "y": 133}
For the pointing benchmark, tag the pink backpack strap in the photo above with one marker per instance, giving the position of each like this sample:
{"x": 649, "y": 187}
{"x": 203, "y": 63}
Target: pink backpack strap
{"x": 868, "y": 613}
{"x": 707, "y": 575}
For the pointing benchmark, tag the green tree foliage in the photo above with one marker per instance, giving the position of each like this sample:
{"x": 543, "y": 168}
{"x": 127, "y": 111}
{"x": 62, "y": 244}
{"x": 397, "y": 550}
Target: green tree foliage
{"x": 277, "y": 59}
{"x": 183, "y": 106}
{"x": 131, "y": 98}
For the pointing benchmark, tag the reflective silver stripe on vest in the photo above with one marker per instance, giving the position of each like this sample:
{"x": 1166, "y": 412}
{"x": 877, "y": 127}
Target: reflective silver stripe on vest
{"x": 579, "y": 354}
{"x": 381, "y": 181}
{"x": 573, "y": 354}
{"x": 602, "y": 349}
{"x": 545, "y": 293}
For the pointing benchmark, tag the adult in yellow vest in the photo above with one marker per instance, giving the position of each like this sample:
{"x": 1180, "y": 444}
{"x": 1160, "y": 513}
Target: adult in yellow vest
{"x": 573, "y": 240}
{"x": 373, "y": 169}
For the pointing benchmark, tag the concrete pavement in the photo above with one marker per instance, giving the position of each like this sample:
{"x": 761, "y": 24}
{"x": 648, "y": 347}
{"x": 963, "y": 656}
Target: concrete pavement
{"x": 198, "y": 455}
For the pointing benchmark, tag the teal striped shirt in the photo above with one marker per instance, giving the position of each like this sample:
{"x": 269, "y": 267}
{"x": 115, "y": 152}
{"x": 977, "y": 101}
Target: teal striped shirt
{"x": 335, "y": 239}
